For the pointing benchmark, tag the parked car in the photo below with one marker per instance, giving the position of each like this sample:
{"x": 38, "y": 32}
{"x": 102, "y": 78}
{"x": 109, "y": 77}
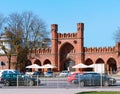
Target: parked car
{"x": 49, "y": 74}
{"x": 37, "y": 73}
{"x": 72, "y": 77}
{"x": 94, "y": 79}
{"x": 8, "y": 71}
{"x": 13, "y": 79}
{"x": 64, "y": 73}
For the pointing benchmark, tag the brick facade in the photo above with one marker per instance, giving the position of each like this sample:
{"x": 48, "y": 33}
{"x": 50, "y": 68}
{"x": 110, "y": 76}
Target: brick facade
{"x": 67, "y": 49}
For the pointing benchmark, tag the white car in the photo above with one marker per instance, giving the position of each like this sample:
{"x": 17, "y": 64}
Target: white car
{"x": 64, "y": 73}
{"x": 8, "y": 71}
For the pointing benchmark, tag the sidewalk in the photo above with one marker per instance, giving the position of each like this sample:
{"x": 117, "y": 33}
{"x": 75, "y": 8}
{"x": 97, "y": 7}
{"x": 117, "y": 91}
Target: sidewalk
{"x": 51, "y": 91}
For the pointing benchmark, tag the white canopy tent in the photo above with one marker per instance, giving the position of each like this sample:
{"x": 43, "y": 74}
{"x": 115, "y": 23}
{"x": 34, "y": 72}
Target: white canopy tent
{"x": 80, "y": 65}
{"x": 48, "y": 66}
{"x": 91, "y": 66}
{"x": 34, "y": 66}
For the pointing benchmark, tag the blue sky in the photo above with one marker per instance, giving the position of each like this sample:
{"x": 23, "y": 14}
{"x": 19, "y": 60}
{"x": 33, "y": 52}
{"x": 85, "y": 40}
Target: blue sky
{"x": 101, "y": 17}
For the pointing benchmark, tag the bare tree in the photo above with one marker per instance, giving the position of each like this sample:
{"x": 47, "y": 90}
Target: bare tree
{"x": 25, "y": 30}
{"x": 29, "y": 27}
{"x": 2, "y": 20}
{"x": 34, "y": 29}
{"x": 2, "y": 47}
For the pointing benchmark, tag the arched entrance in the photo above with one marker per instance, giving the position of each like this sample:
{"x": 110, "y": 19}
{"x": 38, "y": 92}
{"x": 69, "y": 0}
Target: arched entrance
{"x": 88, "y": 62}
{"x": 66, "y": 57}
{"x": 99, "y": 61}
{"x": 47, "y": 62}
{"x": 100, "y": 66}
{"x": 111, "y": 65}
{"x": 68, "y": 65}
{"x": 37, "y": 61}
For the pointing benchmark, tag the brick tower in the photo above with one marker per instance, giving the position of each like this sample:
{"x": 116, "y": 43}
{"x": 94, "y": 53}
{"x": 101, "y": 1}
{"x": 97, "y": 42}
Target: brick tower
{"x": 54, "y": 50}
{"x": 80, "y": 43}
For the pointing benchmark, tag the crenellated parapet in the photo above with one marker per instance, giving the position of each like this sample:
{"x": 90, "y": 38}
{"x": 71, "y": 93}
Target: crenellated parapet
{"x": 100, "y": 49}
{"x": 67, "y": 35}
{"x": 41, "y": 51}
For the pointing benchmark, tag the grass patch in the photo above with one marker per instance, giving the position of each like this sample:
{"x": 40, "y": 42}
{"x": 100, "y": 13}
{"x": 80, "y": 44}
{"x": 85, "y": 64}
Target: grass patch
{"x": 99, "y": 92}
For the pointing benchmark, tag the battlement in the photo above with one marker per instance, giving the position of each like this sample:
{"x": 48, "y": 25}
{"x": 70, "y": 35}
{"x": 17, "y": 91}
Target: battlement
{"x": 41, "y": 51}
{"x": 100, "y": 49}
{"x": 80, "y": 26}
{"x": 67, "y": 35}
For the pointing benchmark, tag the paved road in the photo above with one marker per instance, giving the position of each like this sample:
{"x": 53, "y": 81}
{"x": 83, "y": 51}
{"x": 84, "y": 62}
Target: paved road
{"x": 38, "y": 90}
{"x": 62, "y": 88}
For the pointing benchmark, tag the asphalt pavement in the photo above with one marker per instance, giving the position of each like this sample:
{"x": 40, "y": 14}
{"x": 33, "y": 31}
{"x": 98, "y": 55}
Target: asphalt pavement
{"x": 15, "y": 90}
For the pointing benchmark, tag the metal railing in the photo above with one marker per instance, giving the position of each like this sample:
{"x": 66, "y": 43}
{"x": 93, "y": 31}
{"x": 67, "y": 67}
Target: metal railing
{"x": 62, "y": 82}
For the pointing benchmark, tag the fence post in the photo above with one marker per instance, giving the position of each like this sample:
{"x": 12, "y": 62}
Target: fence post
{"x": 101, "y": 80}
{"x": 78, "y": 81}
{"x": 37, "y": 80}
{"x": 17, "y": 80}
{"x": 57, "y": 82}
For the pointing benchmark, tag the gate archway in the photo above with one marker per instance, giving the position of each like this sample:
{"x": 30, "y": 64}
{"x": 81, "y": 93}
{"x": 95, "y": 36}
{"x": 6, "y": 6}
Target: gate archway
{"x": 37, "y": 61}
{"x": 100, "y": 66}
{"x": 99, "y": 61}
{"x": 66, "y": 57}
{"x": 111, "y": 65}
{"x": 68, "y": 65}
{"x": 88, "y": 62}
{"x": 47, "y": 62}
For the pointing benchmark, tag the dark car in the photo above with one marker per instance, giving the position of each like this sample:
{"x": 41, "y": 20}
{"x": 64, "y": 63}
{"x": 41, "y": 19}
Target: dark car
{"x": 49, "y": 74}
{"x": 37, "y": 73}
{"x": 94, "y": 79}
{"x": 18, "y": 79}
{"x": 4, "y": 71}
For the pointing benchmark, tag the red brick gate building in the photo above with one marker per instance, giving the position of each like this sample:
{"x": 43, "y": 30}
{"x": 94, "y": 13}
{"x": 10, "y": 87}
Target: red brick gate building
{"x": 68, "y": 49}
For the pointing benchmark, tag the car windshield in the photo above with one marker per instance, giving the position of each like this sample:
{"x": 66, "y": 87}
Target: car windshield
{"x": 11, "y": 71}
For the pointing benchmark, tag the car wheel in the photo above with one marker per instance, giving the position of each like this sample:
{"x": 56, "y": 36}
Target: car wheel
{"x": 82, "y": 84}
{"x": 106, "y": 83}
{"x": 7, "y": 83}
{"x": 73, "y": 81}
{"x": 31, "y": 83}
